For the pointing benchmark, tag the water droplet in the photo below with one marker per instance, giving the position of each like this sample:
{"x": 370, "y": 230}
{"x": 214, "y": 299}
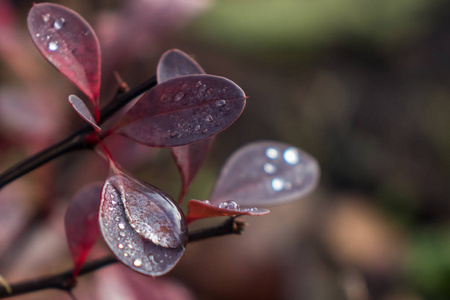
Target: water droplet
{"x": 287, "y": 185}
{"x": 122, "y": 234}
{"x": 198, "y": 84}
{"x": 291, "y": 156}
{"x": 117, "y": 219}
{"x": 137, "y": 262}
{"x": 179, "y": 96}
{"x": 269, "y": 168}
{"x": 197, "y": 128}
{"x": 209, "y": 91}
{"x": 253, "y": 209}
{"x": 204, "y": 131}
{"x": 120, "y": 246}
{"x": 277, "y": 184}
{"x": 130, "y": 246}
{"x": 230, "y": 204}
{"x": 209, "y": 118}
{"x": 206, "y": 202}
{"x": 271, "y": 153}
{"x": 46, "y": 17}
{"x": 53, "y": 46}
{"x": 152, "y": 258}
{"x": 173, "y": 134}
{"x": 121, "y": 226}
{"x": 59, "y": 23}
{"x": 220, "y": 103}
{"x": 38, "y": 34}
{"x": 125, "y": 254}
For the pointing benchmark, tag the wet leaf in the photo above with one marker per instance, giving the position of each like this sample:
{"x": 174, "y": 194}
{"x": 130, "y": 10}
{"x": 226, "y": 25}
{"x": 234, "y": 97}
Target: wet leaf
{"x": 68, "y": 42}
{"x": 84, "y": 112}
{"x": 266, "y": 173}
{"x": 183, "y": 110}
{"x": 176, "y": 63}
{"x": 188, "y": 158}
{"x": 81, "y": 223}
{"x": 142, "y": 225}
{"x": 200, "y": 210}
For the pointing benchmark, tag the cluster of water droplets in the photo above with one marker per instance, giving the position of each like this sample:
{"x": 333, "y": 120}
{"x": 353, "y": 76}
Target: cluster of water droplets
{"x": 280, "y": 159}
{"x": 56, "y": 25}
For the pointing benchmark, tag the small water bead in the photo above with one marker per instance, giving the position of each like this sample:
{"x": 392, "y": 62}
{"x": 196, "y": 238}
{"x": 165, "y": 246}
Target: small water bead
{"x": 46, "y": 17}
{"x": 122, "y": 234}
{"x": 59, "y": 23}
{"x": 53, "y": 46}
{"x": 220, "y": 103}
{"x": 272, "y": 153}
{"x": 152, "y": 258}
{"x": 209, "y": 118}
{"x": 253, "y": 209}
{"x": 287, "y": 185}
{"x": 291, "y": 156}
{"x": 130, "y": 246}
{"x": 126, "y": 254}
{"x": 198, "y": 84}
{"x": 179, "y": 96}
{"x": 230, "y": 204}
{"x": 269, "y": 168}
{"x": 120, "y": 246}
{"x": 277, "y": 184}
{"x": 173, "y": 134}
{"x": 121, "y": 226}
{"x": 206, "y": 202}
{"x": 204, "y": 131}
{"x": 197, "y": 128}
{"x": 209, "y": 91}
{"x": 137, "y": 262}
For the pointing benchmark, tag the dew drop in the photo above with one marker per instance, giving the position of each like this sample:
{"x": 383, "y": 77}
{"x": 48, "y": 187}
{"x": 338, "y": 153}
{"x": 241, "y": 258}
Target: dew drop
{"x": 253, "y": 209}
{"x": 122, "y": 234}
{"x": 121, "y": 226}
{"x": 130, "y": 246}
{"x": 209, "y": 91}
{"x": 277, "y": 184}
{"x": 206, "y": 202}
{"x": 173, "y": 134}
{"x": 287, "y": 185}
{"x": 179, "y": 96}
{"x": 152, "y": 258}
{"x": 120, "y": 246}
{"x": 125, "y": 254}
{"x": 53, "y": 46}
{"x": 209, "y": 118}
{"x": 291, "y": 156}
{"x": 137, "y": 262}
{"x": 230, "y": 204}
{"x": 59, "y": 23}
{"x": 197, "y": 128}
{"x": 272, "y": 153}
{"x": 204, "y": 131}
{"x": 220, "y": 103}
{"x": 198, "y": 84}
{"x": 269, "y": 168}
{"x": 117, "y": 219}
{"x": 46, "y": 17}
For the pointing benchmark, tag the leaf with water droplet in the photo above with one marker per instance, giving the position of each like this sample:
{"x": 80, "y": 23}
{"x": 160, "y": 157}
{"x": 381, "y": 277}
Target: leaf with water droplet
{"x": 81, "y": 223}
{"x": 266, "y": 173}
{"x": 68, "y": 42}
{"x": 157, "y": 120}
{"x": 199, "y": 210}
{"x": 176, "y": 63}
{"x": 189, "y": 158}
{"x": 80, "y": 107}
{"x": 141, "y": 224}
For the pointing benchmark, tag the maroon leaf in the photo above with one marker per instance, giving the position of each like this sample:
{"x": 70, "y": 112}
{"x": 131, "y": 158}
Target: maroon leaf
{"x": 84, "y": 112}
{"x": 142, "y": 225}
{"x": 200, "y": 210}
{"x": 266, "y": 173}
{"x": 81, "y": 223}
{"x": 176, "y": 63}
{"x": 67, "y": 41}
{"x": 183, "y": 110}
{"x": 189, "y": 158}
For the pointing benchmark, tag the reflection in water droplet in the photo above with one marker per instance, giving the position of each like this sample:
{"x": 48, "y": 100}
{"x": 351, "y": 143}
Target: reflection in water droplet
{"x": 120, "y": 246}
{"x": 220, "y": 103}
{"x": 53, "y": 46}
{"x": 269, "y": 168}
{"x": 204, "y": 131}
{"x": 209, "y": 118}
{"x": 230, "y": 204}
{"x": 59, "y": 23}
{"x": 46, "y": 17}
{"x": 179, "y": 96}
{"x": 291, "y": 156}
{"x": 137, "y": 262}
{"x": 152, "y": 258}
{"x": 206, "y": 202}
{"x": 277, "y": 184}
{"x": 121, "y": 226}
{"x": 271, "y": 153}
{"x": 122, "y": 234}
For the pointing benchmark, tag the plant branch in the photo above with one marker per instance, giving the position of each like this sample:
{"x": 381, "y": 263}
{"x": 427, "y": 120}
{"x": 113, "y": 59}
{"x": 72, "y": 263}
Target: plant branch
{"x": 65, "y": 281}
{"x": 77, "y": 140}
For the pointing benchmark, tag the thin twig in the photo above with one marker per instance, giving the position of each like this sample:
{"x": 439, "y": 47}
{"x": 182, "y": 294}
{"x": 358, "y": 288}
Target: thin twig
{"x": 64, "y": 281}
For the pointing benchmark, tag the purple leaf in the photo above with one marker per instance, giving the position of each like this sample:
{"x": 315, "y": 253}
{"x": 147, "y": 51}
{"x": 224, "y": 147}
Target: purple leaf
{"x": 81, "y": 108}
{"x": 266, "y": 173}
{"x": 142, "y": 225}
{"x": 176, "y": 63}
{"x": 81, "y": 223}
{"x": 183, "y": 110}
{"x": 189, "y": 158}
{"x": 67, "y": 41}
{"x": 200, "y": 210}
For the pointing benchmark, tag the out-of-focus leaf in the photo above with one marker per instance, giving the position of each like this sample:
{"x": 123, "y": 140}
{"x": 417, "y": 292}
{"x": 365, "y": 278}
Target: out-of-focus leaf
{"x": 84, "y": 112}
{"x": 189, "y": 158}
{"x": 200, "y": 210}
{"x": 183, "y": 110}
{"x": 68, "y": 42}
{"x": 142, "y": 225}
{"x": 81, "y": 223}
{"x": 266, "y": 173}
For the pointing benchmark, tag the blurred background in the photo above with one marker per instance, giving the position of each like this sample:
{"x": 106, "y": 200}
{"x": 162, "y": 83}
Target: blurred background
{"x": 364, "y": 86}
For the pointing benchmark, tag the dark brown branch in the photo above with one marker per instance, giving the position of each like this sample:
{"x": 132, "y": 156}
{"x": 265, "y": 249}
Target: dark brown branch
{"x": 64, "y": 281}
